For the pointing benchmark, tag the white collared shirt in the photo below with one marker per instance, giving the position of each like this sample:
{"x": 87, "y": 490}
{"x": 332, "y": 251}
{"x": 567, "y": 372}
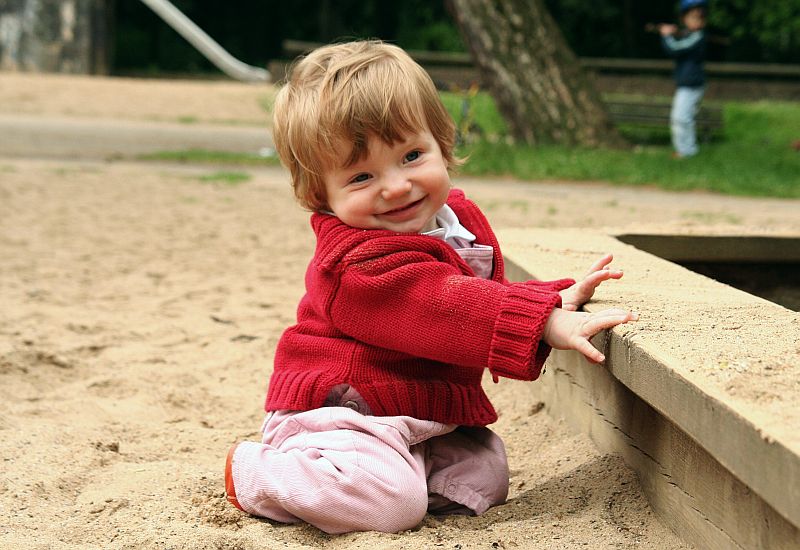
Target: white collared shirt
{"x": 479, "y": 257}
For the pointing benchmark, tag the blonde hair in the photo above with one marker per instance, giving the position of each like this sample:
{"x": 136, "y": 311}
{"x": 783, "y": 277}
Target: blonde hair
{"x": 345, "y": 93}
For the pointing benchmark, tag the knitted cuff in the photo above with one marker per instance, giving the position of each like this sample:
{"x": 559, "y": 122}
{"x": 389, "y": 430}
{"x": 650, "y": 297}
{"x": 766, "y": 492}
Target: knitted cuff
{"x": 552, "y": 286}
{"x": 516, "y": 351}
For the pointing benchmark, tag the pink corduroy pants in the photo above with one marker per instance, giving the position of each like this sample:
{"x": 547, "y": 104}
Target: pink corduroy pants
{"x": 341, "y": 470}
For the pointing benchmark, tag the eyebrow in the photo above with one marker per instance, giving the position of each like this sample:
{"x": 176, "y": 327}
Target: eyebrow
{"x": 416, "y": 140}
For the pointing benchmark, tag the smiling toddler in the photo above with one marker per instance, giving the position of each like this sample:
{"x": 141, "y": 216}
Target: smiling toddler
{"x": 375, "y": 410}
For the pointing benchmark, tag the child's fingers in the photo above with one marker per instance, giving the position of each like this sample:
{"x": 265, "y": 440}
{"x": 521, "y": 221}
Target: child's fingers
{"x": 589, "y": 351}
{"x": 601, "y": 263}
{"x": 597, "y": 322}
{"x": 613, "y": 313}
{"x": 607, "y": 318}
{"x": 594, "y": 280}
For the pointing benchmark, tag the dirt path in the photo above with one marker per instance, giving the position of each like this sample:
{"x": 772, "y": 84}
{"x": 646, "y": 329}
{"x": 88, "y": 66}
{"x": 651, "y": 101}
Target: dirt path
{"x": 141, "y": 307}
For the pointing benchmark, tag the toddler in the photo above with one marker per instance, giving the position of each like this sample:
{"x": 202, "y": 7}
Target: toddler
{"x": 376, "y": 415}
{"x": 689, "y": 50}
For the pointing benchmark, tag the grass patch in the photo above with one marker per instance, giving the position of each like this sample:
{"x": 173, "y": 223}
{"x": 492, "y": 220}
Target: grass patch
{"x": 752, "y": 155}
{"x": 226, "y": 178}
{"x": 480, "y": 113}
{"x": 202, "y": 156}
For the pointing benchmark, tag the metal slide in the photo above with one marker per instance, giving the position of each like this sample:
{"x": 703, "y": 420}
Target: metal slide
{"x": 205, "y": 44}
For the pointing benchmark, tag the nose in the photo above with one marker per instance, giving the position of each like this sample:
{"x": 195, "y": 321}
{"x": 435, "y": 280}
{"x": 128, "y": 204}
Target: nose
{"x": 395, "y": 187}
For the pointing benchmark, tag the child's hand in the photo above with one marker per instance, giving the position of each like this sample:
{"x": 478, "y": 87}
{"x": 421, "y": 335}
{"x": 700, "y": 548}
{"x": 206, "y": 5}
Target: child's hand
{"x": 667, "y": 29}
{"x": 572, "y": 329}
{"x": 581, "y": 292}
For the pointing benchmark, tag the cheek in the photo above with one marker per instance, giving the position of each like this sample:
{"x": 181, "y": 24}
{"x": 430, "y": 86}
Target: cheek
{"x": 337, "y": 203}
{"x": 350, "y": 206}
{"x": 442, "y": 178}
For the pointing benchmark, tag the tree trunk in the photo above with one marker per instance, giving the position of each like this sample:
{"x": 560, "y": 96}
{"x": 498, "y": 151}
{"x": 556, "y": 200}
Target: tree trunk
{"x": 533, "y": 75}
{"x": 62, "y": 36}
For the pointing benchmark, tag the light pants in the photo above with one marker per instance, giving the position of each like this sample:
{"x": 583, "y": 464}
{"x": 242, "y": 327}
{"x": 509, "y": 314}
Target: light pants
{"x": 685, "y": 105}
{"x": 343, "y": 471}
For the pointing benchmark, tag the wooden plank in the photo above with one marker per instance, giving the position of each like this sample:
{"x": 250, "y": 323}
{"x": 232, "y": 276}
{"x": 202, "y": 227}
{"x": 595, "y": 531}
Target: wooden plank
{"x": 703, "y": 125}
{"x": 756, "y": 70}
{"x": 657, "y": 108}
{"x": 676, "y": 361}
{"x": 658, "y": 114}
{"x": 690, "y": 491}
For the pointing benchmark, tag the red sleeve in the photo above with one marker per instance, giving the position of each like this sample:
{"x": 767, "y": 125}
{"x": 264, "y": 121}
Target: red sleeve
{"x": 415, "y": 303}
{"x": 549, "y": 286}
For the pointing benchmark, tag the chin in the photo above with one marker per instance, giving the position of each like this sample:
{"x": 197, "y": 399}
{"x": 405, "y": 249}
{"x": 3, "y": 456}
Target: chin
{"x": 406, "y": 227}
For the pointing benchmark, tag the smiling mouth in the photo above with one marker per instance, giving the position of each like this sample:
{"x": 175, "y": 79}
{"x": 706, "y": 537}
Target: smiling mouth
{"x": 402, "y": 209}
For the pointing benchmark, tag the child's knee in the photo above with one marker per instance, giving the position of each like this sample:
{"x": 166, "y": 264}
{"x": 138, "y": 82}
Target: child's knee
{"x": 400, "y": 514}
{"x": 392, "y": 503}
{"x": 370, "y": 509}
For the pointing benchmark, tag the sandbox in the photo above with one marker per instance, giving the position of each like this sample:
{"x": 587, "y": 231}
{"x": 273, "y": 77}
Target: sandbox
{"x": 700, "y": 396}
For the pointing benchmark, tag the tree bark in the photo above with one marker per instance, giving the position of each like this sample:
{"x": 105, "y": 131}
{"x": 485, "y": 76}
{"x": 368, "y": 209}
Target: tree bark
{"x": 537, "y": 81}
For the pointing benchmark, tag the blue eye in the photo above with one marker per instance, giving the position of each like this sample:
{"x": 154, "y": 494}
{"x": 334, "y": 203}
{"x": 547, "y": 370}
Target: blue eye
{"x": 360, "y": 178}
{"x": 412, "y": 156}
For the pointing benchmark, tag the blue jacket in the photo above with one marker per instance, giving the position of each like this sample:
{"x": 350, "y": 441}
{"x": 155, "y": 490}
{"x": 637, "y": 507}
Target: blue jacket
{"x": 689, "y": 53}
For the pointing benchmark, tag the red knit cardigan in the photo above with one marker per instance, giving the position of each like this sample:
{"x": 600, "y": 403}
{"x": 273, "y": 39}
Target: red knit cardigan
{"x": 402, "y": 319}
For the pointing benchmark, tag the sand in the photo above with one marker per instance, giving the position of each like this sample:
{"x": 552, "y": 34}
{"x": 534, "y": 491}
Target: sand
{"x": 141, "y": 304}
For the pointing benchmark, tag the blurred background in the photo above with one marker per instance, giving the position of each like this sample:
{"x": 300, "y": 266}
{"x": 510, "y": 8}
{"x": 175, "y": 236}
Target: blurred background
{"x": 125, "y": 37}
{"x": 760, "y": 31}
{"x": 749, "y": 122}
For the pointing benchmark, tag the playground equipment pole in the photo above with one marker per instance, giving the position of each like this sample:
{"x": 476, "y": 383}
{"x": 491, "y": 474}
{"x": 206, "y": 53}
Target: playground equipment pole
{"x": 205, "y": 44}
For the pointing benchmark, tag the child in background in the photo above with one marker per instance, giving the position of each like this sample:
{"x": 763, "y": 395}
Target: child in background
{"x": 689, "y": 51}
{"x": 376, "y": 414}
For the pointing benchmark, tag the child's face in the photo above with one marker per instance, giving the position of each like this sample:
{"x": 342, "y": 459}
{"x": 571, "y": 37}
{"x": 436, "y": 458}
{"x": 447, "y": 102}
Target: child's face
{"x": 694, "y": 19}
{"x": 397, "y": 187}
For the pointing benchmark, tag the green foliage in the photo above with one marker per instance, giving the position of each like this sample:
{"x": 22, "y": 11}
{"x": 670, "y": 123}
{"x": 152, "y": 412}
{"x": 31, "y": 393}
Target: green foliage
{"x": 252, "y": 30}
{"x": 753, "y": 156}
{"x": 426, "y": 27}
{"x": 586, "y": 26}
{"x": 485, "y": 119}
{"x": 226, "y": 178}
{"x": 768, "y": 30}
{"x": 202, "y": 156}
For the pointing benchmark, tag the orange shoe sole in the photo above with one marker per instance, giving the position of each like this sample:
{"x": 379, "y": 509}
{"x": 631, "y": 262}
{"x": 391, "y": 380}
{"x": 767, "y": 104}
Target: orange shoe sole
{"x": 229, "y": 489}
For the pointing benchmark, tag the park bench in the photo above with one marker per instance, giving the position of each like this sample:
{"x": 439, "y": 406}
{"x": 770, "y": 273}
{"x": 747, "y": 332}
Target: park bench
{"x": 708, "y": 120}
